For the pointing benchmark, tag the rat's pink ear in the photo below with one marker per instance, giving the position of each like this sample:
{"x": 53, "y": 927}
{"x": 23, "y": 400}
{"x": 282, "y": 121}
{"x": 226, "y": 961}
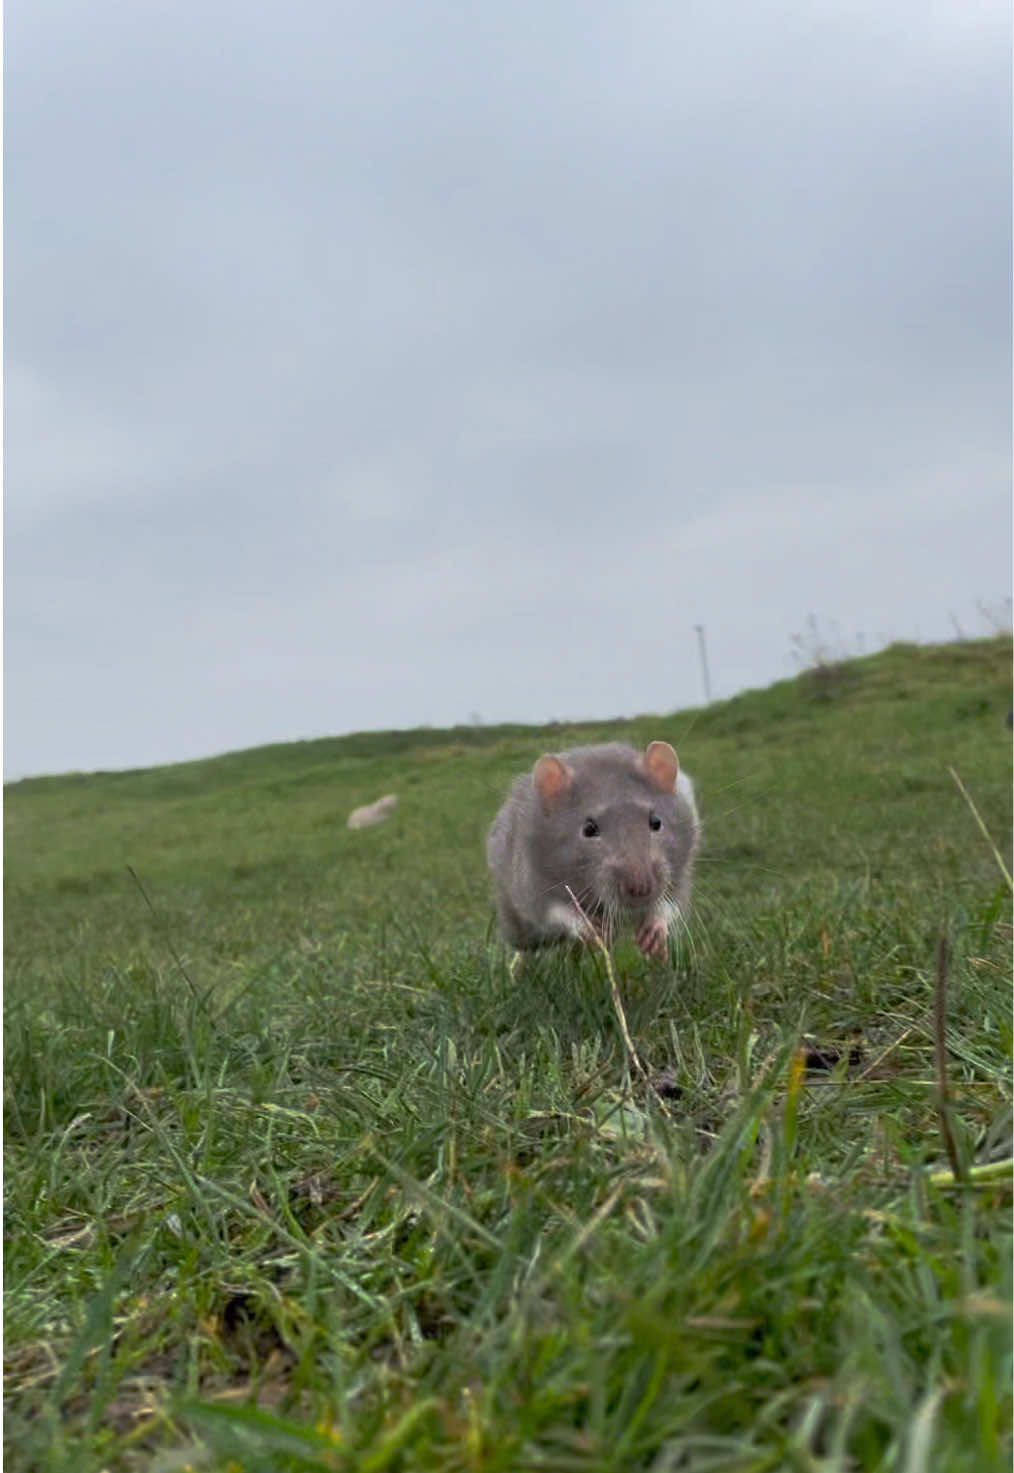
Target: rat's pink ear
{"x": 552, "y": 779}
{"x": 662, "y": 766}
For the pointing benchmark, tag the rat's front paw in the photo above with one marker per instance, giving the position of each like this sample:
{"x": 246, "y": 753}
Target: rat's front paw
{"x": 651, "y": 938}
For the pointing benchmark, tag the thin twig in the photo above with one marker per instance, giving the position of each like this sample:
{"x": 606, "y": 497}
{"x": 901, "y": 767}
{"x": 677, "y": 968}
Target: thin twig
{"x": 881, "y": 1057}
{"x": 940, "y": 1042}
{"x": 635, "y": 1058}
{"x": 982, "y": 828}
{"x": 198, "y": 997}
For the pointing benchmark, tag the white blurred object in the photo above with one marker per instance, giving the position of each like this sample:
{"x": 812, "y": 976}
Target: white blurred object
{"x": 362, "y": 818}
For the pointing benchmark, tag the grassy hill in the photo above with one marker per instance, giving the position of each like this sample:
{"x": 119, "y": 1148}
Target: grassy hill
{"x": 297, "y": 1177}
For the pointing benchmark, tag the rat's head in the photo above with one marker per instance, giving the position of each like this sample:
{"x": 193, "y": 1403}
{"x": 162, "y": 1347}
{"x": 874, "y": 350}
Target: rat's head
{"x": 611, "y": 827}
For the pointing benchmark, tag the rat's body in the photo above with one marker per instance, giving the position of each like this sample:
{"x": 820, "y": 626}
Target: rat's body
{"x": 618, "y": 828}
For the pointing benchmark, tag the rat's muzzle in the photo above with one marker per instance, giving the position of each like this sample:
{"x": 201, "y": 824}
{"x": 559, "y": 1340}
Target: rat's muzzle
{"x": 635, "y": 885}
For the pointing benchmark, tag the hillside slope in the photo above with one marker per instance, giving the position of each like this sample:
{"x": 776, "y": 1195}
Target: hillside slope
{"x": 297, "y": 1176}
{"x": 827, "y": 777}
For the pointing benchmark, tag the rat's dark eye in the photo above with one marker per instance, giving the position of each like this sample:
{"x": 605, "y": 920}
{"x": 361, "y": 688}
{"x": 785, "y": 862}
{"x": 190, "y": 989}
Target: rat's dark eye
{"x": 654, "y": 822}
{"x": 590, "y": 829}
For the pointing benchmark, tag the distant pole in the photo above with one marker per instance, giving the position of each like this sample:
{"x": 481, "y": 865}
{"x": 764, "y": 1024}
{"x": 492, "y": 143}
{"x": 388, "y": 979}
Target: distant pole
{"x": 704, "y": 664}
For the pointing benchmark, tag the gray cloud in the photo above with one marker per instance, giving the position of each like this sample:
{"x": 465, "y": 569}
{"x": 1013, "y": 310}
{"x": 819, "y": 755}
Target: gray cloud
{"x": 388, "y": 363}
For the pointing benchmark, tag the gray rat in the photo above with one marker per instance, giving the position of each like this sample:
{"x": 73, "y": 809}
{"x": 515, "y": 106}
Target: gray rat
{"x": 616, "y": 826}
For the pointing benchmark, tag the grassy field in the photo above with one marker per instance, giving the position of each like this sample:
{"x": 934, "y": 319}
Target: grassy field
{"x": 296, "y": 1177}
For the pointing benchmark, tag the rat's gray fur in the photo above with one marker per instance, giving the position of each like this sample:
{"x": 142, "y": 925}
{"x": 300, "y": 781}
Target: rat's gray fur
{"x": 628, "y": 873}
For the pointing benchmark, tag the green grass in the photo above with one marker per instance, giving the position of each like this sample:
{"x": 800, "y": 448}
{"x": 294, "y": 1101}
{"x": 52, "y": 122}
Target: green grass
{"x": 296, "y": 1177}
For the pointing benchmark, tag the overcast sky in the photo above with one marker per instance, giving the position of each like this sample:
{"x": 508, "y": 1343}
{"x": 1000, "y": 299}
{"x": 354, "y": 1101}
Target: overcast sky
{"x": 377, "y": 364}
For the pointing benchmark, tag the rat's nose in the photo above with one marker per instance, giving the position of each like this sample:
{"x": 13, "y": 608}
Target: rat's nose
{"x": 637, "y": 884}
